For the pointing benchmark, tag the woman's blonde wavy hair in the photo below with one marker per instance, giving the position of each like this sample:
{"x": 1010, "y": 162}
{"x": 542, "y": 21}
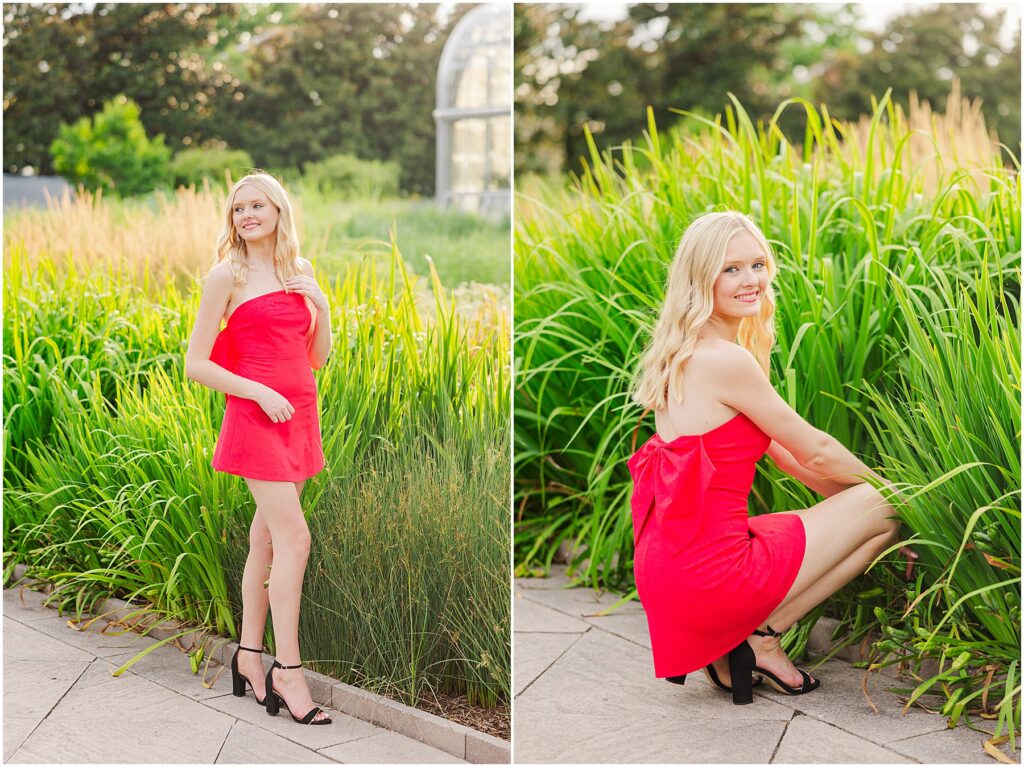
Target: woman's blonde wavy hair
{"x": 286, "y": 248}
{"x": 689, "y": 301}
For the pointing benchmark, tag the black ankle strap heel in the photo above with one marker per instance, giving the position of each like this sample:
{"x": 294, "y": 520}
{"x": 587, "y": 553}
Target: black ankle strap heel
{"x": 238, "y": 681}
{"x": 274, "y": 700}
{"x": 806, "y": 684}
{"x": 741, "y": 673}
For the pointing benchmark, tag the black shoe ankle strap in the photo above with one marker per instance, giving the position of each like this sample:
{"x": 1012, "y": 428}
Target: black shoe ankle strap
{"x": 250, "y": 649}
{"x": 769, "y": 633}
{"x": 278, "y": 665}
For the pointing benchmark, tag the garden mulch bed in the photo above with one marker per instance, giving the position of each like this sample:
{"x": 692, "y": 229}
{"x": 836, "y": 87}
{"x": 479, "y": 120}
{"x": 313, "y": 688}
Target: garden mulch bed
{"x": 495, "y": 721}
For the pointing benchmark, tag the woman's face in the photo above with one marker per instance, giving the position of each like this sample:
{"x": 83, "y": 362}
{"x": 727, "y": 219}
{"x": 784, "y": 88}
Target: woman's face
{"x": 740, "y": 286}
{"x": 253, "y": 215}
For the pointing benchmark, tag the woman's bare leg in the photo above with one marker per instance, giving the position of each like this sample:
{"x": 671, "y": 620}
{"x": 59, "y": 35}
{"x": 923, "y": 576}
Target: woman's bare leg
{"x": 278, "y": 503}
{"x": 844, "y": 533}
{"x": 255, "y": 601}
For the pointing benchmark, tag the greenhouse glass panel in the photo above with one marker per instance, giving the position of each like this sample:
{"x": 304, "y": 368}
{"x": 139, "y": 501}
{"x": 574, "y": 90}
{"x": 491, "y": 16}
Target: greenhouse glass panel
{"x": 474, "y": 113}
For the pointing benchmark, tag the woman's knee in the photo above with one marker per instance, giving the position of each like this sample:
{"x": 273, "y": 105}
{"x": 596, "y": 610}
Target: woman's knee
{"x": 259, "y": 536}
{"x": 884, "y": 518}
{"x": 295, "y": 540}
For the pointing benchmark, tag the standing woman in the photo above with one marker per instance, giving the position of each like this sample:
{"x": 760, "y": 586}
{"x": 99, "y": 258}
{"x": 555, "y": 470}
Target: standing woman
{"x": 718, "y": 588}
{"x": 278, "y": 330}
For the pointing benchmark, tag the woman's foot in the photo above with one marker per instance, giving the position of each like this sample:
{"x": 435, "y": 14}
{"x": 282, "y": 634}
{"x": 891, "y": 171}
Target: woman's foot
{"x": 769, "y": 656}
{"x": 291, "y": 685}
{"x": 250, "y": 665}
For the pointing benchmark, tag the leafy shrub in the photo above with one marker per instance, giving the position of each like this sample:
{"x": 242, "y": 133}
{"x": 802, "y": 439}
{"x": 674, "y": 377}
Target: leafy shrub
{"x": 191, "y": 166}
{"x": 348, "y": 176}
{"x": 111, "y": 151}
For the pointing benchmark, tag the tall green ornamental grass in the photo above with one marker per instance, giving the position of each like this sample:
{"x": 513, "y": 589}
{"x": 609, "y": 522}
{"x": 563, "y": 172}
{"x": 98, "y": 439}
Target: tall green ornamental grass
{"x": 109, "y": 490}
{"x": 898, "y": 329}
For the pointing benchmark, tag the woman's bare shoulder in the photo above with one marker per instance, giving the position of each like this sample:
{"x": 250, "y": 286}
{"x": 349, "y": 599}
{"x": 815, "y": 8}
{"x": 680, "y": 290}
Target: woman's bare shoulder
{"x": 220, "y": 276}
{"x": 715, "y": 355}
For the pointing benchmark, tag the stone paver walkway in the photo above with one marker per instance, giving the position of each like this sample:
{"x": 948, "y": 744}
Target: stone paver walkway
{"x": 61, "y": 705}
{"x": 585, "y": 692}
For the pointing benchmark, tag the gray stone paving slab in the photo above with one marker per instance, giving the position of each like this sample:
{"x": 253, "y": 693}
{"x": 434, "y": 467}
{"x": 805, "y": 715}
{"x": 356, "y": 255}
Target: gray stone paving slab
{"x": 169, "y": 666}
{"x": 389, "y": 748}
{"x": 576, "y": 602}
{"x": 654, "y": 738}
{"x": 629, "y": 625}
{"x": 531, "y": 616}
{"x": 33, "y": 687}
{"x": 840, "y": 701}
{"x": 170, "y": 717}
{"x": 23, "y": 642}
{"x": 24, "y": 604}
{"x": 959, "y": 746}
{"x": 808, "y": 741}
{"x": 556, "y": 580}
{"x": 600, "y": 702}
{"x": 607, "y": 672}
{"x": 248, "y": 744}
{"x": 344, "y": 728}
{"x": 535, "y": 652}
{"x": 100, "y": 710}
{"x": 16, "y": 729}
{"x": 104, "y": 645}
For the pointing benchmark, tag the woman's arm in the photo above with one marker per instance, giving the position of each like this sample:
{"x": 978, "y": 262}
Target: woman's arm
{"x": 198, "y": 366}
{"x": 318, "y": 344}
{"x": 743, "y": 385}
{"x": 784, "y": 460}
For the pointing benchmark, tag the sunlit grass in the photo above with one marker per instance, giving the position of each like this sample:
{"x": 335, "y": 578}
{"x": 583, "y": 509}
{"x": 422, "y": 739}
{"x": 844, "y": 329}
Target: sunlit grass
{"x": 175, "y": 232}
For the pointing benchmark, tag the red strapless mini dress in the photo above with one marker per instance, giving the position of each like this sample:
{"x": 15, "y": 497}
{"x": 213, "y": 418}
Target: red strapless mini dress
{"x": 265, "y": 340}
{"x": 707, "y": 574}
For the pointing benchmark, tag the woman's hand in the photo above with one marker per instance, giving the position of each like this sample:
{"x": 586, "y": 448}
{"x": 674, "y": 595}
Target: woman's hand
{"x": 277, "y": 408}
{"x": 911, "y": 556}
{"x": 307, "y": 286}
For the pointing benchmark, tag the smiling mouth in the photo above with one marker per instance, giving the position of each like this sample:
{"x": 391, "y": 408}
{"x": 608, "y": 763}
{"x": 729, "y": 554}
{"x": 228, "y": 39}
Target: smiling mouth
{"x": 249, "y": 226}
{"x": 748, "y": 298}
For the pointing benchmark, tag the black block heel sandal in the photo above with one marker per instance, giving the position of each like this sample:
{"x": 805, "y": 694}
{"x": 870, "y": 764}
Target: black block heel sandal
{"x": 806, "y": 686}
{"x": 712, "y": 675}
{"x": 238, "y": 681}
{"x": 274, "y": 700}
{"x": 741, "y": 673}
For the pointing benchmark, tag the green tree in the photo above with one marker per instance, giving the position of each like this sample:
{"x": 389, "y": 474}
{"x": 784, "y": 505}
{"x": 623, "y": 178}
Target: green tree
{"x": 111, "y": 151}
{"x": 922, "y": 50}
{"x": 61, "y": 62}
{"x": 351, "y": 78}
{"x": 575, "y": 74}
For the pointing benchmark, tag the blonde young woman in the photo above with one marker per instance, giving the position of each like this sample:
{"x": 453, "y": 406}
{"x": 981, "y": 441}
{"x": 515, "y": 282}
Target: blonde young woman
{"x": 718, "y": 588}
{"x": 278, "y": 331}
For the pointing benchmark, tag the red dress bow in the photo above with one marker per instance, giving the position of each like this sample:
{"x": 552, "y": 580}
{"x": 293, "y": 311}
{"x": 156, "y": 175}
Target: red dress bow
{"x": 670, "y": 478}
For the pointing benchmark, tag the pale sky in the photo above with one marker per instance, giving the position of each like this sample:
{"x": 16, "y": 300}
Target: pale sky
{"x": 873, "y": 16}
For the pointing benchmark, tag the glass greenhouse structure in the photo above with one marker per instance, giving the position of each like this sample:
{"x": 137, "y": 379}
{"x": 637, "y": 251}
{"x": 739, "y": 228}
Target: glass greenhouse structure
{"x": 474, "y": 113}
